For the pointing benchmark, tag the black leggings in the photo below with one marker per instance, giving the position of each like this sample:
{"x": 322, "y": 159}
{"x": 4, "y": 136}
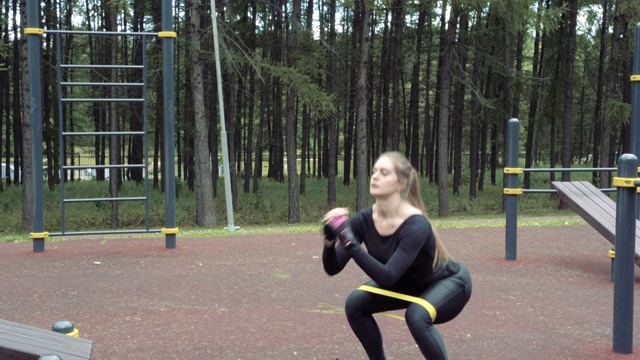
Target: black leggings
{"x": 448, "y": 296}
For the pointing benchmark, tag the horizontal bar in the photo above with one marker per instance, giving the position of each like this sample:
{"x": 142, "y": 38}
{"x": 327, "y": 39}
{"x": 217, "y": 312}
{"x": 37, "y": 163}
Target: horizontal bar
{"x": 539, "y": 191}
{"x": 553, "y": 191}
{"x": 105, "y": 232}
{"x": 88, "y": 66}
{"x": 105, "y": 133}
{"x": 69, "y": 83}
{"x": 104, "y": 199}
{"x": 568, "y": 169}
{"x": 86, "y": 32}
{"x": 67, "y": 100}
{"x": 125, "y": 166}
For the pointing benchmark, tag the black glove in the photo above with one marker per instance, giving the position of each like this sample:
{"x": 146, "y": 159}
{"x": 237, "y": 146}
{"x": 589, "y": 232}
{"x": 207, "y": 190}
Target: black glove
{"x": 339, "y": 228}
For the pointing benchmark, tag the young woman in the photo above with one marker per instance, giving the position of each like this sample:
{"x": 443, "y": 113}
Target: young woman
{"x": 408, "y": 265}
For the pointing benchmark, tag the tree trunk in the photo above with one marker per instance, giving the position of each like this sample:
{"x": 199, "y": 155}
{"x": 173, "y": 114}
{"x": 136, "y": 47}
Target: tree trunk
{"x": 262, "y": 119}
{"x": 67, "y": 110}
{"x": 487, "y": 143}
{"x": 292, "y": 134}
{"x": 427, "y": 143}
{"x": 276, "y": 165}
{"x": 397, "y": 19}
{"x": 136, "y": 119}
{"x": 414, "y": 114}
{"x": 438, "y": 90}
{"x": 533, "y": 102}
{"x": 597, "y": 118}
{"x": 238, "y": 127}
{"x": 4, "y": 93}
{"x": 517, "y": 88}
{"x": 382, "y": 99}
{"x": 474, "y": 124}
{"x": 95, "y": 107}
{"x": 114, "y": 140}
{"x": 229, "y": 113}
{"x": 460, "y": 71}
{"x": 27, "y": 171}
{"x": 306, "y": 117}
{"x": 443, "y": 118}
{"x": 506, "y": 87}
{"x": 205, "y": 205}
{"x": 185, "y": 141}
{"x": 251, "y": 107}
{"x": 49, "y": 106}
{"x": 351, "y": 118}
{"x": 332, "y": 135}
{"x": 156, "y": 55}
{"x": 567, "y": 121}
{"x": 610, "y": 94}
{"x": 363, "y": 114}
{"x": 20, "y": 158}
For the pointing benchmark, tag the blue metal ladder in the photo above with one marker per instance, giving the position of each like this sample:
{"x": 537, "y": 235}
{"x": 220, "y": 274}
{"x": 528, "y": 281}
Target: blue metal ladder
{"x": 63, "y": 135}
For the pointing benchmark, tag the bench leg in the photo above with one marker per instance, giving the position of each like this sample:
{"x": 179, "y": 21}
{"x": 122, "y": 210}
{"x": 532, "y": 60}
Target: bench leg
{"x": 612, "y": 255}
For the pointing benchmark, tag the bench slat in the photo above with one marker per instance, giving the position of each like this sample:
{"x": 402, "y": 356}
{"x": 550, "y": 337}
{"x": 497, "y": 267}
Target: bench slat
{"x": 24, "y": 339}
{"x": 598, "y": 209}
{"x": 593, "y": 207}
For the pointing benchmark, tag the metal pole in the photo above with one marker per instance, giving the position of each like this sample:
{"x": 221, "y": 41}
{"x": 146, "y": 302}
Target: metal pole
{"x": 169, "y": 126}
{"x": 61, "y": 138}
{"x": 33, "y": 51}
{"x": 145, "y": 138}
{"x": 625, "y": 253}
{"x": 223, "y": 131}
{"x": 511, "y": 182}
{"x": 635, "y": 102}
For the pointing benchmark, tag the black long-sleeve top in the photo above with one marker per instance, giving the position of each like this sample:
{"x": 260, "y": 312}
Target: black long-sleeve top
{"x": 402, "y": 261}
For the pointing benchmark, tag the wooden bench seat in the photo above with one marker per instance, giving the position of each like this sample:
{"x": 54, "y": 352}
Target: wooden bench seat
{"x": 598, "y": 209}
{"x": 18, "y": 341}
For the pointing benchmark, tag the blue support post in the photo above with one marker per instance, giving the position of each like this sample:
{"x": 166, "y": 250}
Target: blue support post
{"x": 635, "y": 102}
{"x": 168, "y": 166}
{"x": 625, "y": 253}
{"x": 34, "y": 34}
{"x": 510, "y": 192}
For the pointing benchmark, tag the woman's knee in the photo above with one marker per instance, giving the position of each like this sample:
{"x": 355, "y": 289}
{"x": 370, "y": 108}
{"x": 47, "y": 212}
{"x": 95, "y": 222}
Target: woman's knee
{"x": 354, "y": 303}
{"x": 417, "y": 316}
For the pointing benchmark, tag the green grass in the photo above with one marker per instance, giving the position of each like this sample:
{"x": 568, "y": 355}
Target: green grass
{"x": 265, "y": 211}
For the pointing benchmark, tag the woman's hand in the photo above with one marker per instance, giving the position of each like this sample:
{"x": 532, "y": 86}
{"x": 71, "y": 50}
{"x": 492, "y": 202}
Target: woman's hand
{"x": 328, "y": 217}
{"x": 335, "y": 212}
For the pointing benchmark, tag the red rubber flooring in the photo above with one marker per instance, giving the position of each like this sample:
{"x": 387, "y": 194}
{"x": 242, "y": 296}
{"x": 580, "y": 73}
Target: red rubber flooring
{"x": 267, "y": 297}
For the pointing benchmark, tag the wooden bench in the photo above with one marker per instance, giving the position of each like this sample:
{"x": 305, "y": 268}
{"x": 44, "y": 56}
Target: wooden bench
{"x": 598, "y": 209}
{"x": 18, "y": 341}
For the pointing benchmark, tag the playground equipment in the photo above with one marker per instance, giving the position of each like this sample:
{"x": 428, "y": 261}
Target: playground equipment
{"x": 34, "y": 35}
{"x": 597, "y": 209}
{"x": 616, "y": 221}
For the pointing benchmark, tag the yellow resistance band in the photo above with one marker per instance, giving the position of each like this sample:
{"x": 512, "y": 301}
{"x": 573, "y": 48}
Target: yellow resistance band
{"x": 427, "y": 305}
{"x": 393, "y": 316}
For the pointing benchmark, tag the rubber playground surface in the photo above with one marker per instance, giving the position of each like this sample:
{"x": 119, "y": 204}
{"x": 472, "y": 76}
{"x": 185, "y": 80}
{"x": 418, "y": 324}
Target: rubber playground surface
{"x": 267, "y": 297}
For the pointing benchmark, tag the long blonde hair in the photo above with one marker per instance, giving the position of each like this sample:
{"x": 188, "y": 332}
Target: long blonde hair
{"x": 411, "y": 192}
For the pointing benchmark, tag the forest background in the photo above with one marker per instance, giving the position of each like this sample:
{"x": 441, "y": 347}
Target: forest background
{"x": 315, "y": 91}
